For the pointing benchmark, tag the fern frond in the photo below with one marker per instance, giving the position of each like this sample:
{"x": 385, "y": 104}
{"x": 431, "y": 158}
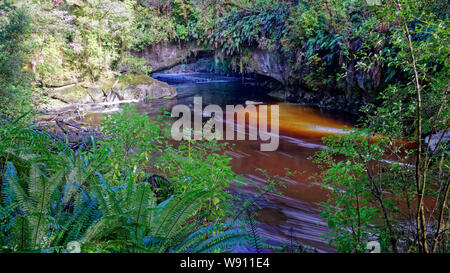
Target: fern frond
{"x": 223, "y": 241}
{"x": 171, "y": 220}
{"x": 143, "y": 202}
{"x": 21, "y": 233}
{"x": 213, "y": 237}
{"x": 113, "y": 205}
{"x": 105, "y": 227}
{"x": 8, "y": 196}
{"x": 16, "y": 189}
{"x": 106, "y": 197}
{"x": 82, "y": 217}
{"x": 253, "y": 236}
{"x": 40, "y": 190}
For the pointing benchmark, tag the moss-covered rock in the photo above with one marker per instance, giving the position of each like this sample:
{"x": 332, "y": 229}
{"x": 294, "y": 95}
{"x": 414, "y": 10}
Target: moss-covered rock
{"x": 129, "y": 86}
{"x": 145, "y": 92}
{"x": 71, "y": 94}
{"x": 163, "y": 56}
{"x": 141, "y": 87}
{"x": 96, "y": 94}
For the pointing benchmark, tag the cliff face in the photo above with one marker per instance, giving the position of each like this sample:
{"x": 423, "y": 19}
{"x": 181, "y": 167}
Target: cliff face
{"x": 262, "y": 62}
{"x": 164, "y": 56}
{"x": 270, "y": 64}
{"x": 347, "y": 94}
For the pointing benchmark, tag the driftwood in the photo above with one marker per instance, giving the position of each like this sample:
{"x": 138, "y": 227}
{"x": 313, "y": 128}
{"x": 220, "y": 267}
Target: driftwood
{"x": 58, "y": 87}
{"x": 75, "y": 134}
{"x": 63, "y": 87}
{"x": 98, "y": 107}
{"x": 61, "y": 127}
{"x": 60, "y": 122}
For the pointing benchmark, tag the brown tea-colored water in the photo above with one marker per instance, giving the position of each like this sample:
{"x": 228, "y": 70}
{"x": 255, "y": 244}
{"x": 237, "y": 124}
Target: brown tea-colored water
{"x": 294, "y": 216}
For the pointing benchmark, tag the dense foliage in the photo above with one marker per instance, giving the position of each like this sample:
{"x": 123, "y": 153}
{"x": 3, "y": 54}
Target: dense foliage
{"x": 400, "y": 157}
{"x": 136, "y": 191}
{"x": 54, "y": 198}
{"x": 14, "y": 83}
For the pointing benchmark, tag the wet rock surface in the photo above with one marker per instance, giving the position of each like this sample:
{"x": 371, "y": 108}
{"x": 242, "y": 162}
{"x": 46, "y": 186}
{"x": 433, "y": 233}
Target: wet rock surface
{"x": 269, "y": 64}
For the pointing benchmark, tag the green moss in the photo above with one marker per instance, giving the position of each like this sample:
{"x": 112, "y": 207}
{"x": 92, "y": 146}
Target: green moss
{"x": 132, "y": 79}
{"x": 107, "y": 84}
{"x": 126, "y": 80}
{"x": 76, "y": 94}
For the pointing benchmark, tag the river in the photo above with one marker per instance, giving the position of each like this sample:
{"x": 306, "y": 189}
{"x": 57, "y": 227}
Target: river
{"x": 294, "y": 216}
